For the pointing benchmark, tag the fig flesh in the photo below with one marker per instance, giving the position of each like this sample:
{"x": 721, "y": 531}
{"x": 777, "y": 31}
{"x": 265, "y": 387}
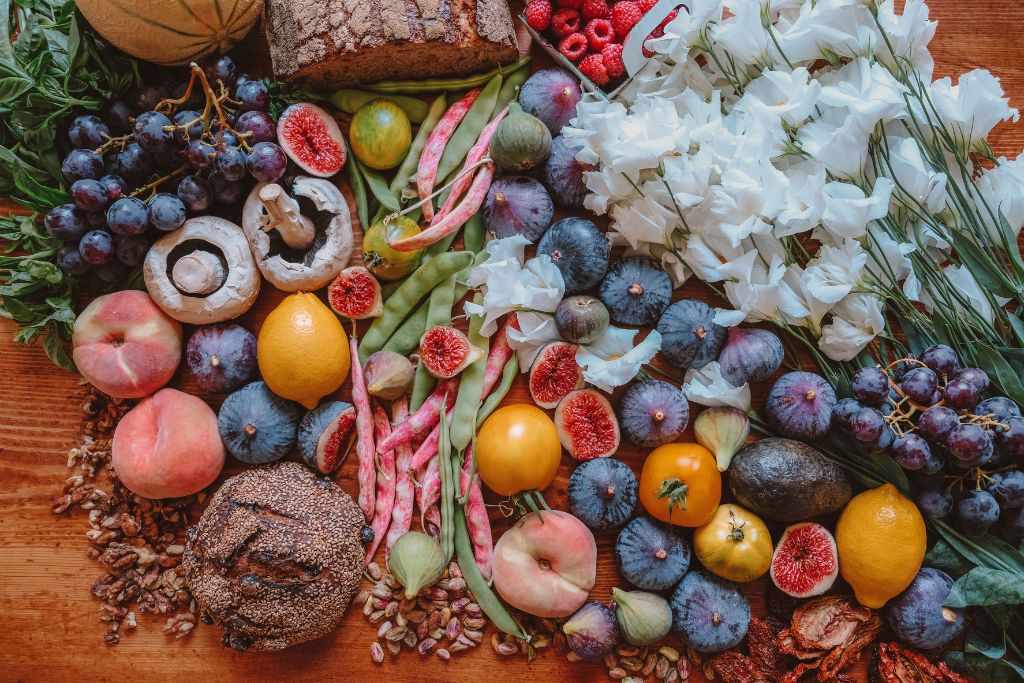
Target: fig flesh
{"x": 551, "y": 95}
{"x": 750, "y": 354}
{"x": 581, "y": 319}
{"x": 222, "y": 358}
{"x": 603, "y": 493}
{"x": 564, "y": 174}
{"x": 709, "y": 613}
{"x": 579, "y": 250}
{"x": 445, "y": 351}
{"x": 799, "y": 405}
{"x": 805, "y": 562}
{"x": 636, "y": 291}
{"x": 554, "y": 374}
{"x": 326, "y": 435}
{"x": 388, "y": 375}
{"x": 518, "y": 206}
{"x": 311, "y": 138}
{"x": 356, "y": 294}
{"x": 653, "y": 413}
{"x": 689, "y": 336}
{"x": 586, "y": 425}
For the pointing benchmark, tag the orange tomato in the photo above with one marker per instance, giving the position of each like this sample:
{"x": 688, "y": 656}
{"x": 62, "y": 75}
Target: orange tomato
{"x": 517, "y": 449}
{"x": 680, "y": 484}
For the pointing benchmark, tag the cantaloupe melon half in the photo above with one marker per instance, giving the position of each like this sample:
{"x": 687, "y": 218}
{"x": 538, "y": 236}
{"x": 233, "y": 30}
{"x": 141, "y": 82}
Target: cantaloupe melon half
{"x": 172, "y": 32}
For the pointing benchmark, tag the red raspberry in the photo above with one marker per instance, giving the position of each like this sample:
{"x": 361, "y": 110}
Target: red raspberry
{"x": 611, "y": 55}
{"x": 538, "y": 14}
{"x": 565, "y": 22}
{"x": 596, "y": 9}
{"x": 592, "y": 67}
{"x": 625, "y": 14}
{"x": 599, "y": 33}
{"x": 570, "y": 4}
{"x": 573, "y": 46}
{"x": 646, "y": 5}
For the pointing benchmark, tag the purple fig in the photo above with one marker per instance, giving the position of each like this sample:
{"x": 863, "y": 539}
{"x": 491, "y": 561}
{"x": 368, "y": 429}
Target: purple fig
{"x": 592, "y": 632}
{"x": 518, "y": 206}
{"x": 750, "y": 354}
{"x": 800, "y": 406}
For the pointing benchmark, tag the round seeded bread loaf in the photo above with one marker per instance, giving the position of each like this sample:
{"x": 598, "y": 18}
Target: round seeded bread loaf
{"x": 276, "y": 557}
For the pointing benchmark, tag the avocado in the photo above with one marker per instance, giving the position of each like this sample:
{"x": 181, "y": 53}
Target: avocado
{"x": 787, "y": 481}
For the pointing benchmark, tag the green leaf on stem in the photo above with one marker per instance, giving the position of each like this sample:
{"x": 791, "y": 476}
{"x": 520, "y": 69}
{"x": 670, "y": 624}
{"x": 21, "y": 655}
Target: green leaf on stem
{"x": 942, "y": 556}
{"x": 981, "y": 668}
{"x": 1008, "y": 379}
{"x": 989, "y": 274}
{"x": 986, "y": 586}
{"x": 1018, "y": 326}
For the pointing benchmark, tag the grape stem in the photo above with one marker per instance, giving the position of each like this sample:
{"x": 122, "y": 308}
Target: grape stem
{"x": 152, "y": 187}
{"x": 213, "y": 104}
{"x": 120, "y": 141}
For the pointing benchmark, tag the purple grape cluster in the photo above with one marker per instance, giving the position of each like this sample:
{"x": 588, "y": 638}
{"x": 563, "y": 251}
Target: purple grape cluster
{"x": 965, "y": 452}
{"x": 142, "y": 167}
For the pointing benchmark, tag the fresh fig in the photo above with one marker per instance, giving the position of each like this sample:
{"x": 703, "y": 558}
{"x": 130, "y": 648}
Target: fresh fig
{"x": 520, "y": 142}
{"x": 652, "y": 413}
{"x": 603, "y": 493}
{"x": 723, "y": 430}
{"x": 918, "y": 616}
{"x": 750, "y": 354}
{"x": 563, "y": 174}
{"x": 709, "y": 613}
{"x": 445, "y": 351}
{"x": 644, "y": 618}
{"x": 799, "y": 406}
{"x": 805, "y": 562}
{"x": 551, "y": 95}
{"x": 579, "y": 250}
{"x": 222, "y": 358}
{"x": 581, "y": 319}
{"x": 257, "y": 426}
{"x": 356, "y": 294}
{"x": 389, "y": 375}
{"x": 311, "y": 138}
{"x": 554, "y": 374}
{"x": 592, "y": 632}
{"x": 326, "y": 434}
{"x": 586, "y": 425}
{"x": 689, "y": 336}
{"x": 636, "y": 291}
{"x": 652, "y": 555}
{"x": 518, "y": 206}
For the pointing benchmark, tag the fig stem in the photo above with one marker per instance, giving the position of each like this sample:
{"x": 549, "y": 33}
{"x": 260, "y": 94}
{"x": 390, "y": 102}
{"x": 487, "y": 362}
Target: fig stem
{"x": 674, "y": 490}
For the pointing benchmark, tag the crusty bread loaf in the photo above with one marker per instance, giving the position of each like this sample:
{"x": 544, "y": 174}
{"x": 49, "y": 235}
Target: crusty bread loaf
{"x": 348, "y": 42}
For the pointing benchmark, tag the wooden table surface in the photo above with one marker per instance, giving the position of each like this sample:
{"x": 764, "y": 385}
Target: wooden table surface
{"x": 50, "y": 626}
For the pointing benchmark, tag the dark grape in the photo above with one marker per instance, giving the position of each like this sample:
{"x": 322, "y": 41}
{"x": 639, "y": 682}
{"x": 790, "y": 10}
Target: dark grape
{"x": 936, "y": 423}
{"x": 226, "y": 192}
{"x": 266, "y": 162}
{"x": 1008, "y": 488}
{"x": 220, "y": 68}
{"x": 80, "y": 164}
{"x": 934, "y": 463}
{"x": 199, "y": 153}
{"x": 228, "y": 139}
{"x": 189, "y": 130}
{"x": 195, "y": 193}
{"x": 969, "y": 442}
{"x": 128, "y": 216}
{"x": 844, "y": 410}
{"x": 977, "y": 512}
{"x": 978, "y": 378}
{"x": 231, "y": 163}
{"x": 870, "y": 385}
{"x": 151, "y": 131}
{"x": 999, "y": 407}
{"x": 131, "y": 249}
{"x": 135, "y": 163}
{"x": 195, "y": 98}
{"x": 241, "y": 79}
{"x": 149, "y": 96}
{"x": 112, "y": 272}
{"x": 867, "y": 425}
{"x": 259, "y": 124}
{"x": 170, "y": 160}
{"x": 66, "y": 222}
{"x": 941, "y": 359}
{"x": 911, "y": 452}
{"x": 253, "y": 95}
{"x": 118, "y": 116}
{"x": 1012, "y": 522}
{"x": 166, "y": 212}
{"x": 70, "y": 260}
{"x": 115, "y": 187}
{"x": 961, "y": 394}
{"x": 96, "y": 220}
{"x": 919, "y": 384}
{"x": 89, "y": 195}
{"x": 88, "y": 131}
{"x": 935, "y": 503}
{"x": 1011, "y": 439}
{"x": 97, "y": 247}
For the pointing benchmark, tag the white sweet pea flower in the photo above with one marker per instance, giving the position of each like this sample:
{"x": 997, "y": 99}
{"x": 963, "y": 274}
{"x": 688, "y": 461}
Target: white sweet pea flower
{"x": 866, "y": 90}
{"x": 829, "y": 29}
{"x": 742, "y": 36}
{"x": 643, "y": 219}
{"x": 612, "y": 360}
{"x": 707, "y": 387}
{"x": 759, "y": 290}
{"x": 919, "y": 183}
{"x": 813, "y": 309}
{"x": 708, "y": 254}
{"x": 848, "y": 211}
{"x": 856, "y": 321}
{"x": 535, "y": 331}
{"x": 887, "y": 258}
{"x": 972, "y": 107}
{"x": 908, "y": 36}
{"x": 972, "y": 293}
{"x": 806, "y": 201}
{"x": 838, "y": 140}
{"x": 1003, "y": 190}
{"x": 835, "y": 272}
{"x": 789, "y": 95}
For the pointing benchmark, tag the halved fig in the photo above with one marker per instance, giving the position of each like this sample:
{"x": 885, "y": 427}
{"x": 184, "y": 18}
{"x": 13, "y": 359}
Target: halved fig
{"x": 586, "y": 425}
{"x": 445, "y": 352}
{"x": 355, "y": 294}
{"x": 326, "y": 434}
{"x": 311, "y": 138}
{"x": 554, "y": 374}
{"x": 805, "y": 562}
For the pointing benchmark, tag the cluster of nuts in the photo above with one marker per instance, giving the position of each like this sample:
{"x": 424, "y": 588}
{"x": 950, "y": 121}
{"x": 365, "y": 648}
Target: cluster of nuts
{"x": 632, "y": 664}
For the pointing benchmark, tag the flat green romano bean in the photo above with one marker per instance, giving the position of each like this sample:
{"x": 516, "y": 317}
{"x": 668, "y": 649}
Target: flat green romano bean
{"x": 350, "y": 100}
{"x": 358, "y": 185}
{"x": 447, "y": 502}
{"x": 471, "y": 387}
{"x": 439, "y": 312}
{"x": 508, "y": 375}
{"x": 408, "y": 168}
{"x": 379, "y": 187}
{"x": 468, "y": 132}
{"x": 510, "y": 88}
{"x": 474, "y": 233}
{"x": 407, "y": 337}
{"x": 485, "y": 597}
{"x": 411, "y": 291}
{"x": 447, "y": 84}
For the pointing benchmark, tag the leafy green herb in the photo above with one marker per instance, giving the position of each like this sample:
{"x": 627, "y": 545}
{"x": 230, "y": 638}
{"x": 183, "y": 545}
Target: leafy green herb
{"x": 982, "y": 668}
{"x": 943, "y": 556}
{"x": 986, "y": 586}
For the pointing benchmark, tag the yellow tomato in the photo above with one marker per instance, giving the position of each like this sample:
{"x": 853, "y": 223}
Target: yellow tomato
{"x": 735, "y": 544}
{"x": 680, "y": 484}
{"x": 381, "y": 259}
{"x": 517, "y": 449}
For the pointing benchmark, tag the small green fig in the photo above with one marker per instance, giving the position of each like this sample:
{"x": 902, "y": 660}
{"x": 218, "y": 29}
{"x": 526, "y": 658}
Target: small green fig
{"x": 416, "y": 561}
{"x": 723, "y": 431}
{"x": 643, "y": 617}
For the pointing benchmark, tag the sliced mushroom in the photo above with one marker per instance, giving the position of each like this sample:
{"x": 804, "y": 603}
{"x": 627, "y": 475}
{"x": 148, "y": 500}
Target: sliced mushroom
{"x": 301, "y": 237}
{"x": 203, "y": 272}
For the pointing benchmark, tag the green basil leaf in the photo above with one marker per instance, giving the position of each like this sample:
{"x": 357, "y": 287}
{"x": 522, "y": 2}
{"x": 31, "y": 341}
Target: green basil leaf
{"x": 44, "y": 197}
{"x": 1018, "y": 326}
{"x": 13, "y": 87}
{"x": 986, "y": 586}
{"x": 57, "y": 349}
{"x": 1002, "y": 372}
{"x": 984, "y": 669}
{"x": 943, "y": 556}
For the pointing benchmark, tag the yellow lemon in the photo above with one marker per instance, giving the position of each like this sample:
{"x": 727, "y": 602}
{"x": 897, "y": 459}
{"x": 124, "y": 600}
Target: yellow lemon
{"x": 303, "y": 350}
{"x": 881, "y": 542}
